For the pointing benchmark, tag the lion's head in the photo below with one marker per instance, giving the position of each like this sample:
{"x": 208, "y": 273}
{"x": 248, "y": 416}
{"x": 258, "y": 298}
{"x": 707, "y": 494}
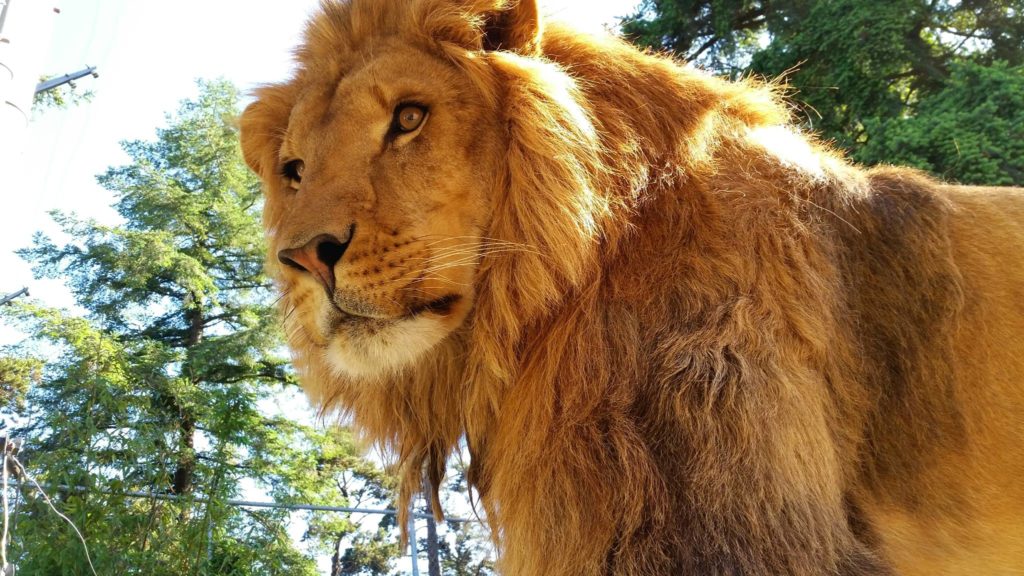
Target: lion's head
{"x": 405, "y": 130}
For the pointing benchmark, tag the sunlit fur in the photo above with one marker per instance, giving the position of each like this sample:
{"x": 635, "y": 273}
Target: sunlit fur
{"x": 690, "y": 339}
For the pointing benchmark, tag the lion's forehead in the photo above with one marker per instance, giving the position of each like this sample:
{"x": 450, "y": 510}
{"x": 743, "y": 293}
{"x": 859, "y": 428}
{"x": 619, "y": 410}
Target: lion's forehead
{"x": 366, "y": 93}
{"x": 342, "y": 30}
{"x": 388, "y": 67}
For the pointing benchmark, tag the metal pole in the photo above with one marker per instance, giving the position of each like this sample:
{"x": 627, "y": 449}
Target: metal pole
{"x": 414, "y": 554}
{"x": 12, "y": 296}
{"x": 55, "y": 82}
{"x": 24, "y": 44}
{"x": 10, "y": 447}
{"x": 3, "y": 537}
{"x": 433, "y": 559}
{"x": 3, "y": 14}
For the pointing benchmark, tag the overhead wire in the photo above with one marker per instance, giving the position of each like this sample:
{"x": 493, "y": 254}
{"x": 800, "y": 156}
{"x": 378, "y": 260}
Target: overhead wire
{"x": 46, "y": 498}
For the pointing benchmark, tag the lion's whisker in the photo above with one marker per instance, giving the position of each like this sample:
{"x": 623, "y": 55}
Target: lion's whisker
{"x": 280, "y": 298}
{"x": 479, "y": 239}
{"x": 475, "y": 253}
{"x": 288, "y": 315}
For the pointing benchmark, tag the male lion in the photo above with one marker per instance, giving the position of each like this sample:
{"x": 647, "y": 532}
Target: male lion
{"x": 679, "y": 336}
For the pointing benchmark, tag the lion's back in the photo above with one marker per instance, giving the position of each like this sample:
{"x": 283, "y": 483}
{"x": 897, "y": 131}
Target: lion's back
{"x": 946, "y": 496}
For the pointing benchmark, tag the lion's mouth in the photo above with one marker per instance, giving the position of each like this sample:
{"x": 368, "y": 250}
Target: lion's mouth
{"x": 359, "y": 345}
{"x": 441, "y": 306}
{"x": 351, "y": 311}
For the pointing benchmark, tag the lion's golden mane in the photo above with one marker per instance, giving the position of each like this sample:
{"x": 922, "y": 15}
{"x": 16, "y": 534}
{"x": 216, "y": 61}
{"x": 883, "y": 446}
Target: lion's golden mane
{"x": 725, "y": 351}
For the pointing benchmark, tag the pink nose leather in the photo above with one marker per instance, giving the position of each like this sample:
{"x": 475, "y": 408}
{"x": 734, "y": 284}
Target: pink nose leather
{"x": 317, "y": 257}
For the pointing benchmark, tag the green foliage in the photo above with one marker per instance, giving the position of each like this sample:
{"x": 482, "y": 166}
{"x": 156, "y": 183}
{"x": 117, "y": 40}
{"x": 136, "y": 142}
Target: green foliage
{"x": 164, "y": 387}
{"x": 855, "y": 66}
{"x": 871, "y": 76}
{"x": 16, "y": 377}
{"x": 716, "y": 34}
{"x": 970, "y": 132}
{"x": 370, "y": 555}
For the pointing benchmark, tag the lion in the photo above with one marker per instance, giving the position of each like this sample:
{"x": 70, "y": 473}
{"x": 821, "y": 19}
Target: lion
{"x": 678, "y": 335}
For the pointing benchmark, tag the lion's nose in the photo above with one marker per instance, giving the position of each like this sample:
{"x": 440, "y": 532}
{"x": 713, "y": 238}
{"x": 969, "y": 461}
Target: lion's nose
{"x": 317, "y": 257}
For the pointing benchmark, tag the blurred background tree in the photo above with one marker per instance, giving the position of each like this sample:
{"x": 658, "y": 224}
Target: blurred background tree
{"x": 466, "y": 549}
{"x": 935, "y": 84}
{"x": 171, "y": 382}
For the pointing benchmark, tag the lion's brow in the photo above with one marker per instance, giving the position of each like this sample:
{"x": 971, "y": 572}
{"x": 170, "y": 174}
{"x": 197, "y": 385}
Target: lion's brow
{"x": 379, "y": 95}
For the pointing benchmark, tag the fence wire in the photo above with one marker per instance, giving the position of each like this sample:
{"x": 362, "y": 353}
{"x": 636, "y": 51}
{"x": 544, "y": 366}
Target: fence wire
{"x": 9, "y": 448}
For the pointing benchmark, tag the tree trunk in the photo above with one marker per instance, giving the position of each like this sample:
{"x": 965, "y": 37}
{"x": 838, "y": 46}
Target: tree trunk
{"x": 186, "y": 456}
{"x": 186, "y": 468}
{"x": 336, "y": 567}
{"x": 433, "y": 561}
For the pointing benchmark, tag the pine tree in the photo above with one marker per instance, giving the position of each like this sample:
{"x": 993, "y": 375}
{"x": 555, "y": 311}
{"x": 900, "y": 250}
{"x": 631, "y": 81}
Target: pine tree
{"x": 167, "y": 385}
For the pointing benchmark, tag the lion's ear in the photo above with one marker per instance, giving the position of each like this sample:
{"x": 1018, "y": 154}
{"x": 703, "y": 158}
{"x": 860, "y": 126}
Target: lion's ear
{"x": 515, "y": 26}
{"x": 262, "y": 126}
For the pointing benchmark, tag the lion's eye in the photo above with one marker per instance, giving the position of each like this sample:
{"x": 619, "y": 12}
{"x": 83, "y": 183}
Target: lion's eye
{"x": 293, "y": 172}
{"x": 408, "y": 117}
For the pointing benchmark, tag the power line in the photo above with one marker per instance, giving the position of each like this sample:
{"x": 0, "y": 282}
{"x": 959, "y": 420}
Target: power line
{"x": 24, "y": 473}
{"x": 241, "y": 503}
{"x": 413, "y": 515}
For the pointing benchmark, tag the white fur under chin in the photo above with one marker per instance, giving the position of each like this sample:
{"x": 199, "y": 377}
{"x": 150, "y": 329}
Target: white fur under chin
{"x": 386, "y": 352}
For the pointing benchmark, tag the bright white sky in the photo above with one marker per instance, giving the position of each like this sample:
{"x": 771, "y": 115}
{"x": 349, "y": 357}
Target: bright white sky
{"x": 148, "y": 55}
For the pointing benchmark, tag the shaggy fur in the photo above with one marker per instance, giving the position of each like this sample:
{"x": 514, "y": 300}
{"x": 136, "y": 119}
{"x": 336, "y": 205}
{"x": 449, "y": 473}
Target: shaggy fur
{"x": 678, "y": 336}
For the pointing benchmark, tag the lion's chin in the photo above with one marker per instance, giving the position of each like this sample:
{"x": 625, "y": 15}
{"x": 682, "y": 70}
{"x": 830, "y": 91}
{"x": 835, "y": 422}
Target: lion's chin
{"x": 367, "y": 348}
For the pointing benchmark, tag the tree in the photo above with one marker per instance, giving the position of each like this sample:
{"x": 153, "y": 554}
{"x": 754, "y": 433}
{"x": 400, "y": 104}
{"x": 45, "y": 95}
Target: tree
{"x": 16, "y": 377}
{"x": 858, "y": 68}
{"x": 465, "y": 548}
{"x": 971, "y": 131}
{"x": 717, "y": 34}
{"x": 466, "y": 554}
{"x": 162, "y": 388}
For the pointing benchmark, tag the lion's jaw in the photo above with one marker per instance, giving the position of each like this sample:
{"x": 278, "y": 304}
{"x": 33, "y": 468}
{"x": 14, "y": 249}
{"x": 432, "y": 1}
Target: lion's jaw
{"x": 403, "y": 212}
{"x": 360, "y": 347}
